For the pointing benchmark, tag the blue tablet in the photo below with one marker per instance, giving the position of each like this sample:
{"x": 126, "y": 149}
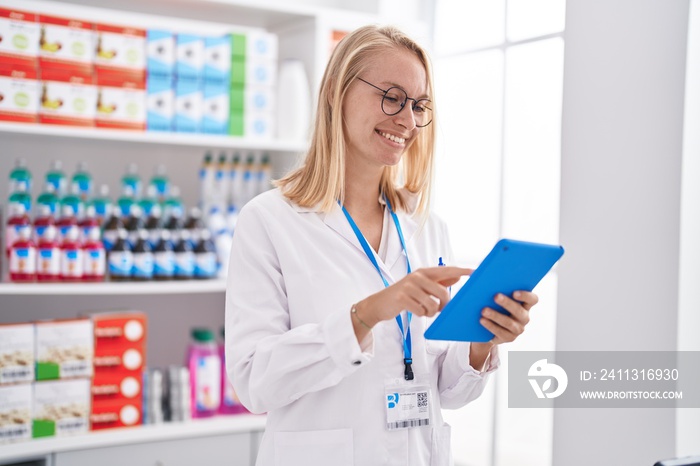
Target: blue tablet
{"x": 510, "y": 266}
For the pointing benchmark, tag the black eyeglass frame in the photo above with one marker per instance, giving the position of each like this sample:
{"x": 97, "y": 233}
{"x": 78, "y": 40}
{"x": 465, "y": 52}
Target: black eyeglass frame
{"x": 403, "y": 104}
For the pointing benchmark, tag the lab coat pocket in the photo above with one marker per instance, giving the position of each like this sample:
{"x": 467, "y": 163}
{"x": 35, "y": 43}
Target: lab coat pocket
{"x": 314, "y": 448}
{"x": 441, "y": 454}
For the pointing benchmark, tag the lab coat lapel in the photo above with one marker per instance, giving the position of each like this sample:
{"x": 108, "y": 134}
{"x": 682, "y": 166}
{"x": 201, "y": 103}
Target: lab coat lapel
{"x": 394, "y": 250}
{"x": 335, "y": 219}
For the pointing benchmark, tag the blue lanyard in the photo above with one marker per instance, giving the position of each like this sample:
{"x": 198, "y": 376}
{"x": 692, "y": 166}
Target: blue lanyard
{"x": 405, "y": 335}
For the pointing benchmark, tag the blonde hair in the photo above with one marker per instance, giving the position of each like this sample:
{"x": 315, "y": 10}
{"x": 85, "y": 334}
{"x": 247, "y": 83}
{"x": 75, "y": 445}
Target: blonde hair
{"x": 321, "y": 179}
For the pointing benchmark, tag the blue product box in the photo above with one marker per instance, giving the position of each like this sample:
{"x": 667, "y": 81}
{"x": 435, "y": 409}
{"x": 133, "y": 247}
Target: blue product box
{"x": 160, "y": 53}
{"x": 188, "y": 105}
{"x": 215, "y": 110}
{"x": 160, "y": 103}
{"x": 217, "y": 59}
{"x": 189, "y": 56}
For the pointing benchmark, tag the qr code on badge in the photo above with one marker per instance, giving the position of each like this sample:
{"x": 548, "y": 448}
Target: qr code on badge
{"x": 422, "y": 399}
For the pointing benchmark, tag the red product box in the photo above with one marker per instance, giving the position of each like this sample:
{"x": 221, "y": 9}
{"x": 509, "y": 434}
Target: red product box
{"x": 120, "y": 328}
{"x": 68, "y": 97}
{"x": 66, "y": 43}
{"x": 19, "y": 93}
{"x": 121, "y": 100}
{"x": 110, "y": 414}
{"x": 120, "y": 48}
{"x": 118, "y": 359}
{"x": 117, "y": 387}
{"x": 19, "y": 37}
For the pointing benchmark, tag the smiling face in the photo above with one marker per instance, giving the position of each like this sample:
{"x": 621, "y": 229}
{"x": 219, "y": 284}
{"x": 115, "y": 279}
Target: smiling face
{"x": 374, "y": 139}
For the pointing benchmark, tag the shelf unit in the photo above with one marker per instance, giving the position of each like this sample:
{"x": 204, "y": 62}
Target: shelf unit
{"x": 217, "y": 285}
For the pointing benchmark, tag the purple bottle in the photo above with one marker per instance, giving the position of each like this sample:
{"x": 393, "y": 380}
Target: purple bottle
{"x": 230, "y": 404}
{"x": 204, "y": 363}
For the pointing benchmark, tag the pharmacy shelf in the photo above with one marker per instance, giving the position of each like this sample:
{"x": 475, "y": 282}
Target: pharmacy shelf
{"x": 114, "y": 288}
{"x": 220, "y": 425}
{"x": 163, "y": 138}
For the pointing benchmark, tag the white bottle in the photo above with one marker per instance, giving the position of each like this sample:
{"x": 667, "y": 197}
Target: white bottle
{"x": 293, "y": 102}
{"x": 207, "y": 176}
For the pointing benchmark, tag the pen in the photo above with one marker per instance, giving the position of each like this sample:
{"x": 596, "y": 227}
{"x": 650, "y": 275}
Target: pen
{"x": 442, "y": 264}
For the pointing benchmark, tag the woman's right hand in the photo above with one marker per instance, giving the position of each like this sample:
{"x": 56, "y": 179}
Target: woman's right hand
{"x": 423, "y": 292}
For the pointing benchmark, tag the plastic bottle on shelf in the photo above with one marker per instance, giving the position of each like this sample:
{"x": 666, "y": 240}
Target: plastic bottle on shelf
{"x": 102, "y": 203}
{"x": 173, "y": 203}
{"x": 20, "y": 195}
{"x": 57, "y": 178}
{"x": 48, "y": 198}
{"x": 161, "y": 182}
{"x": 88, "y": 222}
{"x": 83, "y": 179}
{"x": 71, "y": 256}
{"x": 207, "y": 177}
{"x": 110, "y": 232}
{"x": 131, "y": 178}
{"x": 66, "y": 221}
{"x": 204, "y": 364}
{"x": 234, "y": 193}
{"x": 22, "y": 264}
{"x": 173, "y": 224}
{"x": 142, "y": 269}
{"x": 294, "y": 101}
{"x": 95, "y": 257}
{"x": 221, "y": 183}
{"x": 205, "y": 260}
{"x": 133, "y": 224}
{"x": 126, "y": 200}
{"x": 164, "y": 258}
{"x": 154, "y": 225}
{"x": 42, "y": 222}
{"x": 73, "y": 200}
{"x": 17, "y": 222}
{"x": 20, "y": 176}
{"x": 230, "y": 404}
{"x": 120, "y": 259}
{"x": 250, "y": 180}
{"x": 184, "y": 257}
{"x": 48, "y": 256}
{"x": 222, "y": 239}
{"x": 149, "y": 200}
{"x": 194, "y": 225}
{"x": 264, "y": 174}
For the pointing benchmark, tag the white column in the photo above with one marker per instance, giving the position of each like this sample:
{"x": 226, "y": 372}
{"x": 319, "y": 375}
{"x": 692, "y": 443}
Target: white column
{"x": 622, "y": 140}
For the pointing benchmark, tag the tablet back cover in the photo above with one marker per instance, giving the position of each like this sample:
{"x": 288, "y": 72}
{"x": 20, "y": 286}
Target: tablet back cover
{"x": 510, "y": 266}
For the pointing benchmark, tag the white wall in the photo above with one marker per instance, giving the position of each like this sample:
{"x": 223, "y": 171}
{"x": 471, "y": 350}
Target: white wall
{"x": 624, "y": 74}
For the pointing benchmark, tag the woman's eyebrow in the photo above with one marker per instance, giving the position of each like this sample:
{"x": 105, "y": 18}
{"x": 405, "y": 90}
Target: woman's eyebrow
{"x": 393, "y": 84}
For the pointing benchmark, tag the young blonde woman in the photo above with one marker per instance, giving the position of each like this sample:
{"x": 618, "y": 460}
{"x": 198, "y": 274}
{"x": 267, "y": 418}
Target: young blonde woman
{"x": 334, "y": 278}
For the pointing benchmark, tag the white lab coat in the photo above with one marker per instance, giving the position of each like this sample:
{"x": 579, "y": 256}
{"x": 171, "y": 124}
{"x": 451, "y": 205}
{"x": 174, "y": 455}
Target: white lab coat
{"x": 291, "y": 350}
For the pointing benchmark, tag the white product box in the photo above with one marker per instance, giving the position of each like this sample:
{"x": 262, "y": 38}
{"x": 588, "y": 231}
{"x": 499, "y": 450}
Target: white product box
{"x": 188, "y": 105}
{"x": 160, "y": 103}
{"x": 120, "y": 47}
{"x": 15, "y": 413}
{"x": 215, "y": 109}
{"x": 66, "y": 42}
{"x": 19, "y": 93}
{"x": 260, "y": 99}
{"x": 16, "y": 353}
{"x": 260, "y": 73}
{"x": 64, "y": 349}
{"x": 259, "y": 126}
{"x": 262, "y": 45}
{"x": 160, "y": 53}
{"x": 121, "y": 101}
{"x": 189, "y": 56}
{"x": 20, "y": 37}
{"x": 67, "y": 98}
{"x": 61, "y": 407}
{"x": 217, "y": 60}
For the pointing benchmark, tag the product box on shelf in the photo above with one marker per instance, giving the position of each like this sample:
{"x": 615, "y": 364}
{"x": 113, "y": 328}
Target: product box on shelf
{"x": 260, "y": 73}
{"x": 117, "y": 358}
{"x": 15, "y": 413}
{"x": 16, "y": 353}
{"x": 259, "y": 99}
{"x": 19, "y": 93}
{"x": 189, "y": 56}
{"x": 238, "y": 45}
{"x": 238, "y": 71}
{"x": 160, "y": 53}
{"x": 110, "y": 414}
{"x": 259, "y": 125}
{"x": 67, "y": 97}
{"x": 61, "y": 408}
{"x": 188, "y": 105}
{"x": 217, "y": 60}
{"x": 19, "y": 33}
{"x": 237, "y": 110}
{"x": 64, "y": 349}
{"x": 116, "y": 387}
{"x": 121, "y": 100}
{"x": 262, "y": 46}
{"x": 215, "y": 108}
{"x": 125, "y": 328}
{"x": 160, "y": 103}
{"x": 66, "y": 42}
{"x": 120, "y": 48}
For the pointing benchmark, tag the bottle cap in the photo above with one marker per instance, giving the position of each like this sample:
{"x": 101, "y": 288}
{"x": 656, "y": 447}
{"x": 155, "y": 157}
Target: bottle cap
{"x": 202, "y": 335}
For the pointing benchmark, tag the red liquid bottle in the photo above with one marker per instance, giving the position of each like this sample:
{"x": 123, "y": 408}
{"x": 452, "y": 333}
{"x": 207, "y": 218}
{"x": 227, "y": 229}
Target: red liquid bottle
{"x": 17, "y": 221}
{"x": 23, "y": 258}
{"x": 94, "y": 256}
{"x": 48, "y": 256}
{"x": 43, "y": 222}
{"x": 71, "y": 257}
{"x": 66, "y": 222}
{"x": 88, "y": 222}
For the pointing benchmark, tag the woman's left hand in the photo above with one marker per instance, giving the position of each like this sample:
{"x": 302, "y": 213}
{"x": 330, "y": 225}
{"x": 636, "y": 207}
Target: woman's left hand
{"x": 507, "y": 328}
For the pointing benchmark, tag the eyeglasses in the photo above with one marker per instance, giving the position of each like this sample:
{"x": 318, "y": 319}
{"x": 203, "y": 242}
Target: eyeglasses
{"x": 394, "y": 100}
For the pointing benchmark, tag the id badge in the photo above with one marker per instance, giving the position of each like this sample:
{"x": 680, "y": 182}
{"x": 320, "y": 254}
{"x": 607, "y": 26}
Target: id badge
{"x": 407, "y": 405}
